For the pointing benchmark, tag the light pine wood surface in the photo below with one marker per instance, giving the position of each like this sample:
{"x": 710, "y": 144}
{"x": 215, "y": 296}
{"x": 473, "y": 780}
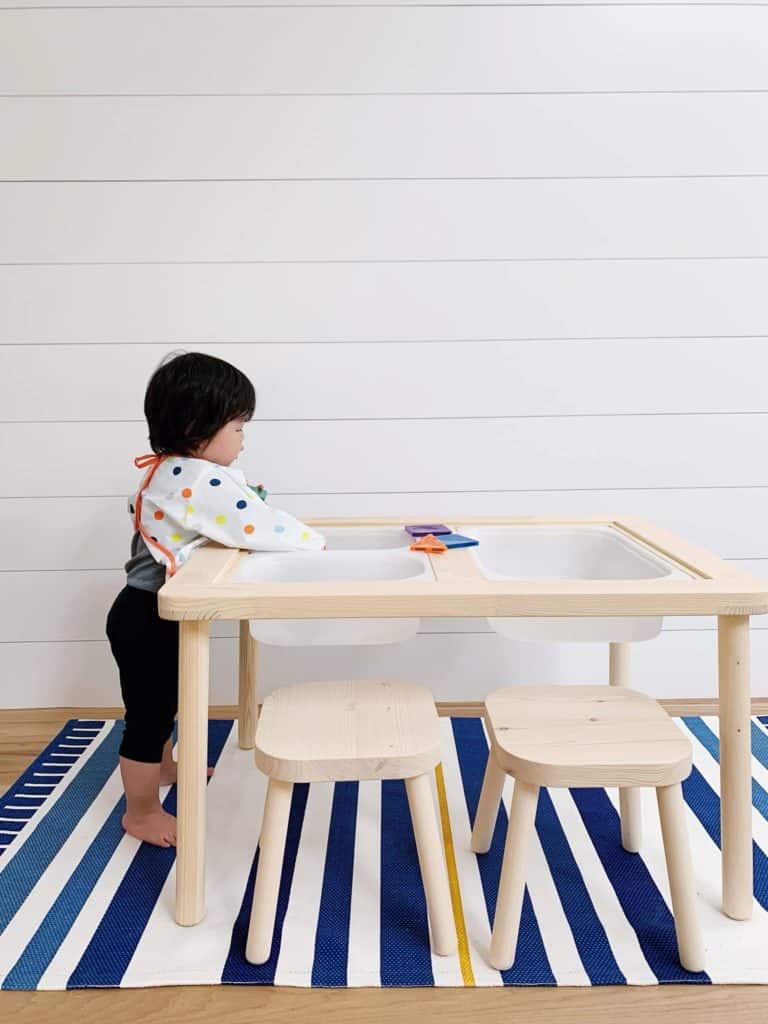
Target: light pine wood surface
{"x": 349, "y": 731}
{"x": 582, "y": 736}
{"x": 585, "y": 736}
{"x": 360, "y": 729}
{"x": 629, "y": 799}
{"x": 24, "y": 733}
{"x": 204, "y": 588}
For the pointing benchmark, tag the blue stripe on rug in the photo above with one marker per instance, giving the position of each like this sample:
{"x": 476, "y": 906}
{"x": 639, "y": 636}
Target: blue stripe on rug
{"x": 15, "y": 797}
{"x": 405, "y": 957}
{"x": 759, "y": 745}
{"x": 114, "y": 941}
{"x": 711, "y": 744}
{"x": 329, "y": 966}
{"x": 705, "y": 804}
{"x": 22, "y": 873}
{"x": 640, "y": 899}
{"x": 586, "y": 927}
{"x": 531, "y": 965}
{"x": 237, "y": 970}
{"x": 42, "y": 947}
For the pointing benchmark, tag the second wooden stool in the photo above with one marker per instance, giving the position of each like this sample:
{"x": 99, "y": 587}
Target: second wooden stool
{"x": 582, "y": 736}
{"x": 332, "y": 732}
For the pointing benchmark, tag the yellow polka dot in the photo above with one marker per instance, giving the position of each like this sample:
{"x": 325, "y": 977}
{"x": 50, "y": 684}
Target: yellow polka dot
{"x": 305, "y": 536}
{"x": 190, "y": 510}
{"x": 176, "y": 537}
{"x": 221, "y": 520}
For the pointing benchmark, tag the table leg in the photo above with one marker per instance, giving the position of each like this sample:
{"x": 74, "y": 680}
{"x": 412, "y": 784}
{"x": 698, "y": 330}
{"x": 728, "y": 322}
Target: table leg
{"x": 248, "y": 707}
{"x": 192, "y": 758}
{"x": 735, "y": 765}
{"x": 629, "y": 799}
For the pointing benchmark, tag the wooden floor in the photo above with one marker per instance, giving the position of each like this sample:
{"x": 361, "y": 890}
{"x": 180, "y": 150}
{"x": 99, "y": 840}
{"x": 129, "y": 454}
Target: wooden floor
{"x": 23, "y": 734}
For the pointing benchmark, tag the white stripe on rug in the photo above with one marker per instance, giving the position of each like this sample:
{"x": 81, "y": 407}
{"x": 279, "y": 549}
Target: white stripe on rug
{"x": 28, "y": 918}
{"x": 759, "y": 772}
{"x": 556, "y": 934}
{"x": 446, "y": 970}
{"x": 364, "y": 953}
{"x": 197, "y": 955}
{"x": 622, "y": 937}
{"x": 297, "y": 946}
{"x": 80, "y": 934}
{"x": 735, "y": 950}
{"x": 710, "y": 769}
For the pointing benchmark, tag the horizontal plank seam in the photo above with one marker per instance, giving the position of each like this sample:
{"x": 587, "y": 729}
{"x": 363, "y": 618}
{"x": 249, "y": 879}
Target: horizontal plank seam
{"x": 349, "y": 261}
{"x": 398, "y": 341}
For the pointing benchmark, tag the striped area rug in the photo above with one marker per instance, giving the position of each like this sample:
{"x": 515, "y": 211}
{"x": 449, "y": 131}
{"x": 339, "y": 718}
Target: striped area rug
{"x": 83, "y": 905}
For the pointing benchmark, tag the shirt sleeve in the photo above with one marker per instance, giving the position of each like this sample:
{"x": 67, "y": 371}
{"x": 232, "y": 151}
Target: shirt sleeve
{"x": 228, "y": 511}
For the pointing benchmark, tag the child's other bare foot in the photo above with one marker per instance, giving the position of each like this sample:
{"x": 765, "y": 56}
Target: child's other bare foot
{"x": 157, "y": 827}
{"x": 168, "y": 773}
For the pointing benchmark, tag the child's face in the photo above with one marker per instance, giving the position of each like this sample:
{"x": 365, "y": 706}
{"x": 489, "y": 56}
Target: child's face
{"x": 225, "y": 445}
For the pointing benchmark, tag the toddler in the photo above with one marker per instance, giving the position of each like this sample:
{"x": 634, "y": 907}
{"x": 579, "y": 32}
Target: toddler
{"x": 196, "y": 406}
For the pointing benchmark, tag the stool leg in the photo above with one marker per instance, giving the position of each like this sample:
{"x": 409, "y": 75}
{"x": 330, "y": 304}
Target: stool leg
{"x": 488, "y": 806}
{"x": 434, "y": 873}
{"x": 680, "y": 870}
{"x": 629, "y": 799}
{"x": 509, "y": 905}
{"x": 274, "y": 827}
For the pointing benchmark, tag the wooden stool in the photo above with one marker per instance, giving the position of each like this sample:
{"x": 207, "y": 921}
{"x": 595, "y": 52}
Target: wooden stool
{"x": 323, "y": 732}
{"x": 582, "y": 736}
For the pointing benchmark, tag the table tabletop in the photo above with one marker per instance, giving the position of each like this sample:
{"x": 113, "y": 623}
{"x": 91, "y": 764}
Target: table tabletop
{"x": 206, "y": 586}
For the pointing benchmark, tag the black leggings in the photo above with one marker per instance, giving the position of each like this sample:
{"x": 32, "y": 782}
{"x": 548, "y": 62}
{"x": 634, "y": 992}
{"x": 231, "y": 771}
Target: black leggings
{"x": 146, "y": 649}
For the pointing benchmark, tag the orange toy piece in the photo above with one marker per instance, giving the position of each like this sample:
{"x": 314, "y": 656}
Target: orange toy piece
{"x": 429, "y": 543}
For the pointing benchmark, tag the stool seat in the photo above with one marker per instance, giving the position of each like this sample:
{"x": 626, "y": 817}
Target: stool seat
{"x": 341, "y": 731}
{"x": 582, "y": 736}
{"x": 585, "y": 736}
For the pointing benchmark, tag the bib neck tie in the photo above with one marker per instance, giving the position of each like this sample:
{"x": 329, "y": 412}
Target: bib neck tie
{"x": 151, "y": 462}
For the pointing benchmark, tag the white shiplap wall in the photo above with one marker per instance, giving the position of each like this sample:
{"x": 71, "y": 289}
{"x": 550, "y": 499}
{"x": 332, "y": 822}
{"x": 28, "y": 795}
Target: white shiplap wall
{"x": 476, "y": 258}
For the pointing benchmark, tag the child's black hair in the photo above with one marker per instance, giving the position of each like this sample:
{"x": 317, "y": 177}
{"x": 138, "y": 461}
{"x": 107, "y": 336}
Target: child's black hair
{"x": 192, "y": 396}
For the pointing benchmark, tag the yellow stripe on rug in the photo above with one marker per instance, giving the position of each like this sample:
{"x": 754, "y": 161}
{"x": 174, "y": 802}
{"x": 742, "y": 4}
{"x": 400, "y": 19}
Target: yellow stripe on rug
{"x": 465, "y": 961}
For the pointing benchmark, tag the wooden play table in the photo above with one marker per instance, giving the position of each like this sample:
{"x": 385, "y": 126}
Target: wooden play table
{"x": 203, "y": 590}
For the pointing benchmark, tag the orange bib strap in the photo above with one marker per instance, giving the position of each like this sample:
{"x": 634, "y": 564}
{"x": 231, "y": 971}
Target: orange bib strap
{"x": 152, "y": 461}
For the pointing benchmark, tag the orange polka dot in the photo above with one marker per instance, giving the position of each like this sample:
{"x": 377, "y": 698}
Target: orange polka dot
{"x": 248, "y": 528}
{"x": 159, "y": 515}
{"x": 186, "y": 493}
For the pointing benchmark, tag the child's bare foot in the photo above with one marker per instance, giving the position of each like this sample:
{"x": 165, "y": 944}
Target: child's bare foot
{"x": 158, "y": 827}
{"x": 168, "y": 771}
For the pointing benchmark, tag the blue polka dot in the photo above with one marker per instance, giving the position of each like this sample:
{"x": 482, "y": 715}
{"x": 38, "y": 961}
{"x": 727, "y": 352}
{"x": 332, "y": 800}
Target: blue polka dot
{"x": 279, "y": 529}
{"x": 176, "y": 470}
{"x": 242, "y": 504}
{"x": 214, "y": 482}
